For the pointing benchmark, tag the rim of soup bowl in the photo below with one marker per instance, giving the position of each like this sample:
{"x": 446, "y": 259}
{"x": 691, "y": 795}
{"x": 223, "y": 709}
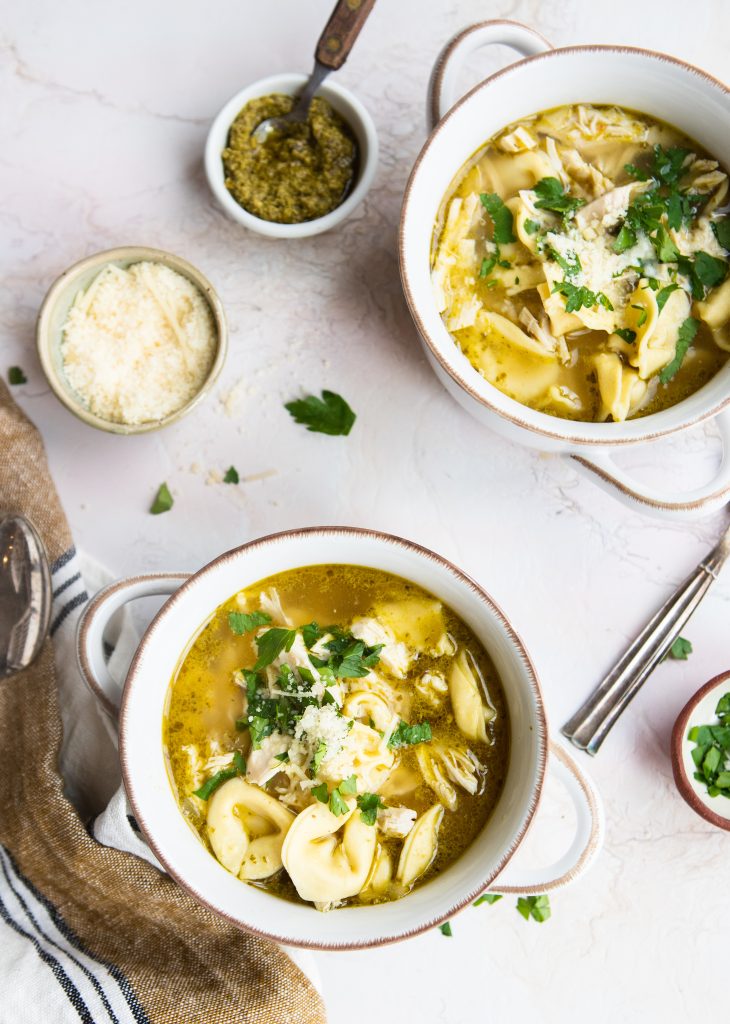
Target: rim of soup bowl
{"x": 171, "y": 861}
{"x": 443, "y": 348}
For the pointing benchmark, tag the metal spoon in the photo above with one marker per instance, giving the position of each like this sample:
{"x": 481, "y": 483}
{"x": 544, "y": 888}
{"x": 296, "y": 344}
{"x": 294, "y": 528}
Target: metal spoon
{"x": 592, "y": 722}
{"x": 25, "y": 594}
{"x": 333, "y": 49}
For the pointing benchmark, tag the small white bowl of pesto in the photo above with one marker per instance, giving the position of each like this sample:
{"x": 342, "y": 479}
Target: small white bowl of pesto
{"x": 300, "y": 183}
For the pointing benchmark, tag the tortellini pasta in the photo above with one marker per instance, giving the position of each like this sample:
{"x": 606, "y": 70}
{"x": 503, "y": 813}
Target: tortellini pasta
{"x": 247, "y": 828}
{"x": 470, "y": 711}
{"x": 420, "y": 846}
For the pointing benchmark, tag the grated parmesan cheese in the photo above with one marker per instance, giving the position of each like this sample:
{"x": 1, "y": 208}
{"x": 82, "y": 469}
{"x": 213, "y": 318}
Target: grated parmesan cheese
{"x": 138, "y": 343}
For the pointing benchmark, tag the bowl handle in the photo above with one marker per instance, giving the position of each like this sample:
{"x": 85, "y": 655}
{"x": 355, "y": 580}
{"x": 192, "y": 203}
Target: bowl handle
{"x": 442, "y": 85}
{"x": 587, "y": 842}
{"x": 701, "y": 501}
{"x": 94, "y": 620}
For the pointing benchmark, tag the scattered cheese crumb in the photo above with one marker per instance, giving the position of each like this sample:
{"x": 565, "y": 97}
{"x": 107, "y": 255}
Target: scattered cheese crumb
{"x": 138, "y": 343}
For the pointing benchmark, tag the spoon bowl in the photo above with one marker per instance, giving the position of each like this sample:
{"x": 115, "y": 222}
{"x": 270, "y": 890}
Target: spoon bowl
{"x": 25, "y": 594}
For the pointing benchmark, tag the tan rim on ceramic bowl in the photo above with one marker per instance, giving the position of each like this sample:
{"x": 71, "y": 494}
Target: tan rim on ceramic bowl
{"x": 699, "y": 710}
{"x": 179, "y": 849}
{"x": 659, "y": 85}
{"x": 59, "y": 299}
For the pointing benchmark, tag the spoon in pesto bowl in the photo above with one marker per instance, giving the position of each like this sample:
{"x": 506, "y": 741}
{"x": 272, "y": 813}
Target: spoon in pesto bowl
{"x": 333, "y": 49}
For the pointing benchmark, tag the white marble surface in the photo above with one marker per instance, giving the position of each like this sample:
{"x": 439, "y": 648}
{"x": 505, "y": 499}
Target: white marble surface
{"x": 103, "y": 120}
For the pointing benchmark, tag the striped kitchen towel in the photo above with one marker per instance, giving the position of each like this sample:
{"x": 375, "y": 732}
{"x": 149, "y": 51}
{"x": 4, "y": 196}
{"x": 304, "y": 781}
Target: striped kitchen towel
{"x": 88, "y": 932}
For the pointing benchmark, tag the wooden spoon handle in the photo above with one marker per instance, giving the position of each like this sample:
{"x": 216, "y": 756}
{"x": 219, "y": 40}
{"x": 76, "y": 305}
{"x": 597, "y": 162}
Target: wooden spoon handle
{"x": 341, "y": 31}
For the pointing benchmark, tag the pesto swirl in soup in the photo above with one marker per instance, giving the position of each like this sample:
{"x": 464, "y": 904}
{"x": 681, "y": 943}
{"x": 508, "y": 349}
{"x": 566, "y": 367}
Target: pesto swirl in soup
{"x": 580, "y": 263}
{"x": 336, "y": 735}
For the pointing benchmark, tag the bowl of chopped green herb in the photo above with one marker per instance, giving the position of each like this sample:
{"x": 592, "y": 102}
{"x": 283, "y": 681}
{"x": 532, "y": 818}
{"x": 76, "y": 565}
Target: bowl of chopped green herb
{"x": 701, "y": 751}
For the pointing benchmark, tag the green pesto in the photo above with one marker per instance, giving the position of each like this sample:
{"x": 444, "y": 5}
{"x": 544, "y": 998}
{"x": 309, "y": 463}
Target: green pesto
{"x": 293, "y": 175}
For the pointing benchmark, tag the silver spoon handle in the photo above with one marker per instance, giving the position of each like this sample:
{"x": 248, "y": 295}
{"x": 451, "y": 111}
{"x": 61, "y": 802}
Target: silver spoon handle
{"x": 593, "y": 721}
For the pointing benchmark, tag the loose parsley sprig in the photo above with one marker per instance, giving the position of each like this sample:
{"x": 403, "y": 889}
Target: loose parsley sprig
{"x": 163, "y": 501}
{"x": 552, "y": 196}
{"x": 329, "y": 414}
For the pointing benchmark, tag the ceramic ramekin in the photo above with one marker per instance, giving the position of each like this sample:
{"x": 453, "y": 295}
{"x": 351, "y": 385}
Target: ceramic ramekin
{"x": 344, "y": 102}
{"x": 642, "y": 80}
{"x": 699, "y": 710}
{"x": 54, "y": 312}
{"x": 179, "y": 849}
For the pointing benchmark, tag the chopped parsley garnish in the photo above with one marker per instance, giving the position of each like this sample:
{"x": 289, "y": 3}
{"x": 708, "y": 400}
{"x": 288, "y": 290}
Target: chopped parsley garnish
{"x": 663, "y": 294}
{"x": 241, "y": 622}
{"x": 271, "y": 643}
{"x": 488, "y": 897}
{"x": 570, "y": 263}
{"x": 488, "y": 265}
{"x": 711, "y": 753}
{"x": 531, "y": 226}
{"x": 210, "y": 785}
{"x": 708, "y": 270}
{"x": 642, "y": 317}
{"x": 163, "y": 500}
{"x": 577, "y": 297}
{"x": 16, "y": 376}
{"x": 321, "y": 792}
{"x": 625, "y": 239}
{"x": 445, "y": 929}
{"x": 684, "y": 339}
{"x": 311, "y": 633}
{"x": 329, "y": 414}
{"x": 552, "y": 196}
{"x": 369, "y": 803}
{"x": 231, "y": 476}
{"x": 722, "y": 233}
{"x": 535, "y": 907}
{"x": 335, "y": 800}
{"x": 318, "y": 757}
{"x": 627, "y": 334}
{"x": 349, "y": 658}
{"x": 283, "y": 756}
{"x": 337, "y": 804}
{"x": 666, "y": 250}
{"x": 680, "y": 649}
{"x": 502, "y": 220}
{"x": 406, "y": 735}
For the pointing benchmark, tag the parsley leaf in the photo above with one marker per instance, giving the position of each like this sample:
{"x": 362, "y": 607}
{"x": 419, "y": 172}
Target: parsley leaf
{"x": 329, "y": 414}
{"x": 445, "y": 929}
{"x": 552, "y": 196}
{"x": 624, "y": 240}
{"x": 349, "y": 786}
{"x": 283, "y": 756}
{"x": 680, "y": 649}
{"x": 663, "y": 295}
{"x": 311, "y": 633}
{"x": 488, "y": 897}
{"x": 369, "y": 803}
{"x": 16, "y": 376}
{"x": 627, "y": 334}
{"x": 722, "y": 234}
{"x": 531, "y": 226}
{"x": 570, "y": 263}
{"x": 643, "y": 315}
{"x": 666, "y": 250}
{"x": 271, "y": 643}
{"x": 231, "y": 476}
{"x": 318, "y": 757}
{"x": 321, "y": 793}
{"x": 577, "y": 297}
{"x": 488, "y": 265}
{"x": 684, "y": 339}
{"x": 709, "y": 270}
{"x": 163, "y": 500}
{"x": 210, "y": 785}
{"x": 406, "y": 735}
{"x": 350, "y": 658}
{"x": 337, "y": 804}
{"x": 502, "y": 220}
{"x": 537, "y": 907}
{"x": 668, "y": 164}
{"x": 241, "y": 623}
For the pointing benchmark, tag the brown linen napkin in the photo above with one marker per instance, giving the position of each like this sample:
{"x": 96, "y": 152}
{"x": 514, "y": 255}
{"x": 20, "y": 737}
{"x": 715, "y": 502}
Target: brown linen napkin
{"x": 168, "y": 959}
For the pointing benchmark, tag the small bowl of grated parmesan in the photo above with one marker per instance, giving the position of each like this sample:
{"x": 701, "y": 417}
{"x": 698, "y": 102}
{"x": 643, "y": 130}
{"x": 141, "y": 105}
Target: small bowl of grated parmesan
{"x": 131, "y": 339}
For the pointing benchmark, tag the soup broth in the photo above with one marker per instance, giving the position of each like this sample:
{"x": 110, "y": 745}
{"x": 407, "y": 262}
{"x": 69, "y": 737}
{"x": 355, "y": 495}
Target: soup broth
{"x": 580, "y": 263}
{"x": 340, "y": 763}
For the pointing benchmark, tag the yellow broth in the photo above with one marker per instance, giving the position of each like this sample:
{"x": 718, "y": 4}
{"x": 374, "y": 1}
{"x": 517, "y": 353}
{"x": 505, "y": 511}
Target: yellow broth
{"x": 204, "y": 703}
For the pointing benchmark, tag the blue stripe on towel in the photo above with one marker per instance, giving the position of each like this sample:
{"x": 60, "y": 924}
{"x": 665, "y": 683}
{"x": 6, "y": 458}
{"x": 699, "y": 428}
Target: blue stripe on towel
{"x": 67, "y": 609}
{"x": 63, "y": 559}
{"x": 67, "y": 583}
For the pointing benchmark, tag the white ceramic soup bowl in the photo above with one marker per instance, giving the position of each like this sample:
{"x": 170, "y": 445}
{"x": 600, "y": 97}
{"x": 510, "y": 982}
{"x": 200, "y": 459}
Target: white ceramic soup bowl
{"x": 180, "y": 850}
{"x": 347, "y": 106}
{"x": 653, "y": 83}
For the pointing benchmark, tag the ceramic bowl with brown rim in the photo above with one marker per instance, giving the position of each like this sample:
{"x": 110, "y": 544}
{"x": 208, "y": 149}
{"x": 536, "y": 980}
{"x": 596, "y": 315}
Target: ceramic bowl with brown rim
{"x": 653, "y": 83}
{"x": 485, "y": 863}
{"x": 54, "y": 311}
{"x": 699, "y": 710}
